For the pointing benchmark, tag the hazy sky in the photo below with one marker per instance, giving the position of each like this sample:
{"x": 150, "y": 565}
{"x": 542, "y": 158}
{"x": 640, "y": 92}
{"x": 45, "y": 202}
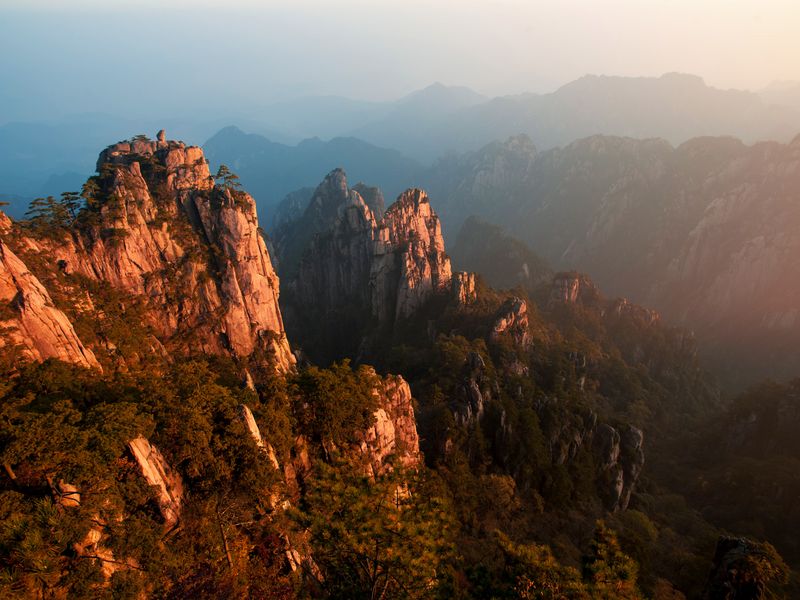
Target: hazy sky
{"x": 168, "y": 57}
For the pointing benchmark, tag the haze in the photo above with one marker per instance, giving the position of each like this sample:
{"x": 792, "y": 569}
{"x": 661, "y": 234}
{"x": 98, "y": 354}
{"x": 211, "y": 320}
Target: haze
{"x": 157, "y": 59}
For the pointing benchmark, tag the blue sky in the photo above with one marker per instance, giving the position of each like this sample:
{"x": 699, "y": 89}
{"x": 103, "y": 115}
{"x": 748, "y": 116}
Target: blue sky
{"x": 171, "y": 56}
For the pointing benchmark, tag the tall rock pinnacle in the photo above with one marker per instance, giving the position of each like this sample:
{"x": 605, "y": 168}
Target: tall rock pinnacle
{"x": 159, "y": 228}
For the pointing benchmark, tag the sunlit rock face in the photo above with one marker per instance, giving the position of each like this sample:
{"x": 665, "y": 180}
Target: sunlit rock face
{"x": 392, "y": 441}
{"x": 409, "y": 262}
{"x": 31, "y": 323}
{"x": 463, "y": 288}
{"x": 512, "y": 321}
{"x": 160, "y": 229}
{"x": 167, "y": 483}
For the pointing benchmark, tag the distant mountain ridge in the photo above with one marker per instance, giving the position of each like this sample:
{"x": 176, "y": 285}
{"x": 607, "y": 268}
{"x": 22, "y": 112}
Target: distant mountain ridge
{"x": 706, "y": 232}
{"x": 271, "y": 170}
{"x": 383, "y": 142}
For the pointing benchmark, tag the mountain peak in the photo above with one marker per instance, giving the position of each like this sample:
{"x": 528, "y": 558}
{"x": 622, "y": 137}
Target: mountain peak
{"x": 156, "y": 226}
{"x": 413, "y": 197}
{"x": 440, "y": 96}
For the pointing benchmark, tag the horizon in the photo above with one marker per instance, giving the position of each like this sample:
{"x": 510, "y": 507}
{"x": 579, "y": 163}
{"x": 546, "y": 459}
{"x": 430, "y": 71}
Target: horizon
{"x": 776, "y": 85}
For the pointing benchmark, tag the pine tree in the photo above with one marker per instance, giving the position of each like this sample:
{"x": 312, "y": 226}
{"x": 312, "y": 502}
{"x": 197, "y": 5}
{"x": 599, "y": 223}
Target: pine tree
{"x": 229, "y": 179}
{"x": 72, "y": 203}
{"x": 47, "y": 214}
{"x": 608, "y": 571}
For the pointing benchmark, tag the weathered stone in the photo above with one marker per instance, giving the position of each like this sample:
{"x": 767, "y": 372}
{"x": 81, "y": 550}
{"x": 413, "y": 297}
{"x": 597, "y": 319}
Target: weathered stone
{"x": 571, "y": 288}
{"x": 252, "y": 428}
{"x": 394, "y": 433}
{"x": 158, "y": 473}
{"x": 620, "y": 458}
{"x": 31, "y": 321}
{"x": 463, "y": 288}
{"x": 606, "y": 446}
{"x": 66, "y": 494}
{"x": 163, "y": 229}
{"x": 353, "y": 262}
{"x": 512, "y": 320}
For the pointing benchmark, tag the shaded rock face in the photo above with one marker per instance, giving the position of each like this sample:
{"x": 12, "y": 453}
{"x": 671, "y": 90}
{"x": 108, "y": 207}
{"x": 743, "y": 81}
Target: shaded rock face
{"x": 512, "y": 321}
{"x": 621, "y": 458}
{"x": 572, "y": 288}
{"x": 30, "y": 320}
{"x": 159, "y": 229}
{"x": 319, "y": 215}
{"x": 373, "y": 197}
{"x": 361, "y": 272}
{"x": 618, "y": 452}
{"x": 168, "y": 483}
{"x": 470, "y": 403}
{"x": 290, "y": 209}
{"x": 394, "y": 433}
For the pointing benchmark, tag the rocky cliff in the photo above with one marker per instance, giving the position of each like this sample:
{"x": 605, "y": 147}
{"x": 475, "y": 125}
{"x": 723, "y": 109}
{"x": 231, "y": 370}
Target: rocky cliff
{"x": 394, "y": 433}
{"x": 357, "y": 269}
{"x": 30, "y": 322}
{"x": 159, "y": 230}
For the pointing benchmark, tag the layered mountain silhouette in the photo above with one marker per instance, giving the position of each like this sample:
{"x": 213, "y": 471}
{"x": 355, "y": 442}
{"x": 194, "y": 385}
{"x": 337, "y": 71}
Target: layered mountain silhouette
{"x": 271, "y": 170}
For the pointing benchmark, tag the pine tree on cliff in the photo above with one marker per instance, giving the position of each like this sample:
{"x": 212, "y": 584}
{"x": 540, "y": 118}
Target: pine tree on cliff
{"x": 229, "y": 179}
{"x": 46, "y": 214}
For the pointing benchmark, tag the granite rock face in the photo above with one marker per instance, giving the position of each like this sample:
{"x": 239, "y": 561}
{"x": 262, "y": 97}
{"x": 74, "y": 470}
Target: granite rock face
{"x": 161, "y": 230}
{"x": 352, "y": 267}
{"x": 249, "y": 422}
{"x": 30, "y": 320}
{"x": 512, "y": 321}
{"x": 410, "y": 262}
{"x": 168, "y": 483}
{"x": 394, "y": 433}
{"x": 621, "y": 459}
{"x": 463, "y": 288}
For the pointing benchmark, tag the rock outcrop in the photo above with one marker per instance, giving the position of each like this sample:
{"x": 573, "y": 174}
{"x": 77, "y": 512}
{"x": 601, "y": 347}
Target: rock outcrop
{"x": 393, "y": 438}
{"x": 158, "y": 228}
{"x": 620, "y": 458}
{"x": 410, "y": 263}
{"x": 512, "y": 321}
{"x": 358, "y": 271}
{"x": 463, "y": 288}
{"x": 250, "y": 424}
{"x": 471, "y": 396}
{"x": 168, "y": 483}
{"x": 30, "y": 321}
{"x": 572, "y": 288}
{"x": 618, "y": 452}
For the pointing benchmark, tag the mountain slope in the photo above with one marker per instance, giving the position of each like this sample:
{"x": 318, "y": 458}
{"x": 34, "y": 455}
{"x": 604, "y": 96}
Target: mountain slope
{"x": 704, "y": 231}
{"x": 204, "y": 460}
